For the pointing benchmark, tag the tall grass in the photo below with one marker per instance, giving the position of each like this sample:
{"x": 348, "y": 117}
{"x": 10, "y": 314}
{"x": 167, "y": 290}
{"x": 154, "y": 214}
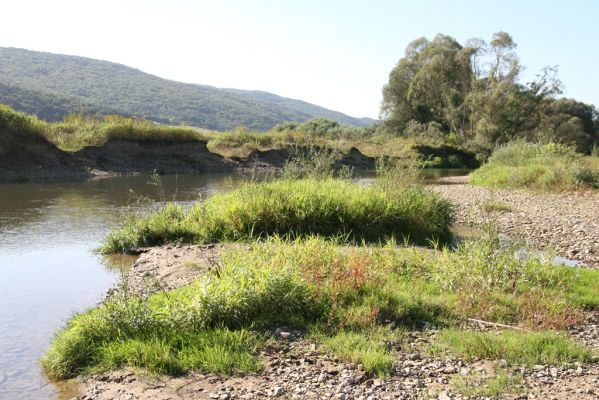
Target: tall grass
{"x": 17, "y": 127}
{"x": 327, "y": 207}
{"x": 536, "y": 166}
{"x": 76, "y": 132}
{"x": 350, "y": 295}
{"x": 517, "y": 348}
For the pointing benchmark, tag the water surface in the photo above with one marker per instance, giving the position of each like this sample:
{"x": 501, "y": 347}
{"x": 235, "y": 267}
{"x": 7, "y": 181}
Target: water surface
{"x": 48, "y": 269}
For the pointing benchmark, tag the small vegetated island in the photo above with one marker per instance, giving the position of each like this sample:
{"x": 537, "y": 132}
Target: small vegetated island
{"x": 323, "y": 287}
{"x": 318, "y": 259}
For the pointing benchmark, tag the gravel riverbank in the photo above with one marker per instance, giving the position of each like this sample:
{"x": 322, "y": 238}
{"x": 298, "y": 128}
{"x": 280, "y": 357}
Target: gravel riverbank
{"x": 295, "y": 367}
{"x": 567, "y": 223}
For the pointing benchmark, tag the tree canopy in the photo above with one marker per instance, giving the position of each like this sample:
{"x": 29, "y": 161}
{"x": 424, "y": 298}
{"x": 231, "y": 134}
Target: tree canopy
{"x": 472, "y": 94}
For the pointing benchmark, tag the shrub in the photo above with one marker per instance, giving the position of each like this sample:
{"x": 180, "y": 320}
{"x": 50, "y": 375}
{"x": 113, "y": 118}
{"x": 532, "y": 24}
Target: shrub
{"x": 326, "y": 207}
{"x": 536, "y": 166}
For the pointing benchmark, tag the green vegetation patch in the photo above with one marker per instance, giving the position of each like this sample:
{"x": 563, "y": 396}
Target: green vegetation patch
{"x": 366, "y": 348}
{"x": 76, "y": 131}
{"x": 536, "y": 166}
{"x": 482, "y": 385}
{"x": 357, "y": 297}
{"x": 517, "y": 348}
{"x": 326, "y": 207}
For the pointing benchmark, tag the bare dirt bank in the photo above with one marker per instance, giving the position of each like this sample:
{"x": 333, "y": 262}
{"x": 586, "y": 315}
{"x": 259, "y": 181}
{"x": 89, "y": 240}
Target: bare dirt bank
{"x": 567, "y": 223}
{"x": 36, "y": 159}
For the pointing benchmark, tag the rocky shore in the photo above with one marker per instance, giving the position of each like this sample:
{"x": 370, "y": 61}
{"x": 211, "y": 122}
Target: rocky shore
{"x": 566, "y": 223}
{"x": 295, "y": 367}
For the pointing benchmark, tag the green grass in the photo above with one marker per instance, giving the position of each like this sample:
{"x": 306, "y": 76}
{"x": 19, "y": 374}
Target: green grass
{"x": 536, "y": 166}
{"x": 76, "y": 132}
{"x": 477, "y": 384}
{"x": 354, "y": 295}
{"x": 496, "y": 206}
{"x": 366, "y": 348}
{"x": 78, "y": 351}
{"x": 582, "y": 292}
{"x": 219, "y": 351}
{"x": 517, "y": 348}
{"x": 193, "y": 265}
{"x": 327, "y": 207}
{"x": 166, "y": 333}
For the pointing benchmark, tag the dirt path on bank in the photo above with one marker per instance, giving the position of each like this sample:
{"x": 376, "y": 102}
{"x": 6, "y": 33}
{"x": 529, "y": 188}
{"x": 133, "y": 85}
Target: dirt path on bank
{"x": 567, "y": 223}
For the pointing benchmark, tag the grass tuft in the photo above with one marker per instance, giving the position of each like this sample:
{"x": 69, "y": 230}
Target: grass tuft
{"x": 480, "y": 385}
{"x": 328, "y": 207}
{"x": 364, "y": 348}
{"x": 550, "y": 166}
{"x": 517, "y": 348}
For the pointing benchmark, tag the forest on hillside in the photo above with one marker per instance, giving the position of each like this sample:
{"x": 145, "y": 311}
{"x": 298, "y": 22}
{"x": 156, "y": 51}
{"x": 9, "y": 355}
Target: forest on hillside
{"x": 80, "y": 84}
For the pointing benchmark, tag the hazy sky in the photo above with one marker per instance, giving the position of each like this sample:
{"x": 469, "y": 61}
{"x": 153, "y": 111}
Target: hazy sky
{"x": 337, "y": 54}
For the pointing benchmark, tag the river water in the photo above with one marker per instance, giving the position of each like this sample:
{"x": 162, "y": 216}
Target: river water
{"x": 48, "y": 268}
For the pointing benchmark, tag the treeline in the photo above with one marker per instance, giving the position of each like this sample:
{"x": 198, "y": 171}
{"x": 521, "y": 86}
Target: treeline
{"x": 471, "y": 95}
{"x": 47, "y": 106}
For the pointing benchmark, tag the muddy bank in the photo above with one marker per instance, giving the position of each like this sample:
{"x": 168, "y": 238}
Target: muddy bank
{"x": 567, "y": 223}
{"x": 276, "y": 158}
{"x": 143, "y": 157}
{"x": 295, "y": 367}
{"x": 36, "y": 159}
{"x": 169, "y": 267}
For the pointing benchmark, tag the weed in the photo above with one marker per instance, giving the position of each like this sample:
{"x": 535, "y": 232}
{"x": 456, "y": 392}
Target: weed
{"x": 366, "y": 348}
{"x": 500, "y": 383}
{"x": 536, "y": 166}
{"x": 496, "y": 206}
{"x": 517, "y": 348}
{"x": 193, "y": 265}
{"x": 326, "y": 207}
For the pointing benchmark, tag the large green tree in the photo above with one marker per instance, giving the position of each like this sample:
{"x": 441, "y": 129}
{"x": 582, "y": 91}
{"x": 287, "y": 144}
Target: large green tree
{"x": 474, "y": 93}
{"x": 428, "y": 85}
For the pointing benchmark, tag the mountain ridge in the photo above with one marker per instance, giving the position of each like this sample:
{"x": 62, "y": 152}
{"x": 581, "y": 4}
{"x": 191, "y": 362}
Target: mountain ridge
{"x": 102, "y": 87}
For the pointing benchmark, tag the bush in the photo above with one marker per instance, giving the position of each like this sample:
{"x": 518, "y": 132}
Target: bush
{"x": 327, "y": 207}
{"x": 536, "y": 166}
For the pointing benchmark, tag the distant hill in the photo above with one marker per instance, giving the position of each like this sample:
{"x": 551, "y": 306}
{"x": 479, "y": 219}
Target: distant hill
{"x": 51, "y": 86}
{"x": 305, "y": 107}
{"x": 50, "y": 107}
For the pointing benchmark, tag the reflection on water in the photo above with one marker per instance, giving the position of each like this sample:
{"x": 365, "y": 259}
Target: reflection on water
{"x": 48, "y": 270}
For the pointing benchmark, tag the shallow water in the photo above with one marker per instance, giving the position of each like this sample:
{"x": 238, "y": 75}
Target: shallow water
{"x": 48, "y": 270}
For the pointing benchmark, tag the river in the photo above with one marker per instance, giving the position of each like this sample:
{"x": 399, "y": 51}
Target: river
{"x": 48, "y": 267}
